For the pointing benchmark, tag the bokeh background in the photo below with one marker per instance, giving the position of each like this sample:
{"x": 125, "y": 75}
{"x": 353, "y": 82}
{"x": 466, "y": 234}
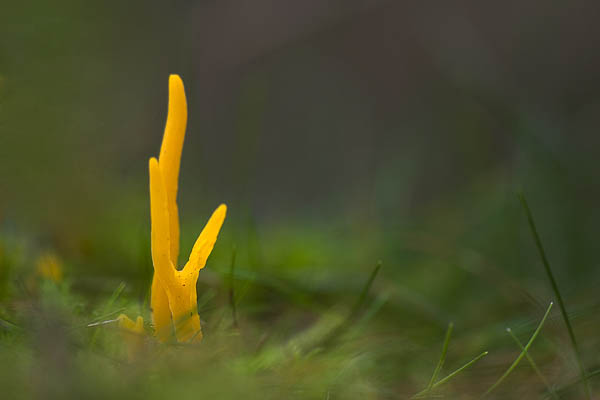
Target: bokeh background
{"x": 339, "y": 133}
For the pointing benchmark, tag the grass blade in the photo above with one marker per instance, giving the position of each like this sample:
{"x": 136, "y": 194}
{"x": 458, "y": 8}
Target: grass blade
{"x": 523, "y": 352}
{"x": 533, "y": 364}
{"x": 115, "y": 295}
{"x": 450, "y": 376}
{"x": 363, "y": 295}
{"x": 440, "y": 364}
{"x": 561, "y": 304}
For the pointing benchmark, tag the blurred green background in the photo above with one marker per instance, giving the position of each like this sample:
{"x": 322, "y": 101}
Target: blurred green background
{"x": 339, "y": 133}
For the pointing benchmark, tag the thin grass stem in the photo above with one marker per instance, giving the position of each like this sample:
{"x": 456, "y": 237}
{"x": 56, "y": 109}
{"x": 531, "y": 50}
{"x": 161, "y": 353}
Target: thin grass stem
{"x": 440, "y": 363}
{"x": 100, "y": 319}
{"x": 363, "y": 295}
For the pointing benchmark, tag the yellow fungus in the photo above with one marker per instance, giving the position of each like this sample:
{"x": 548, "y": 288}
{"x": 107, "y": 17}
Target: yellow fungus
{"x": 128, "y": 325}
{"x": 133, "y": 334}
{"x": 174, "y": 297}
{"x": 50, "y": 267}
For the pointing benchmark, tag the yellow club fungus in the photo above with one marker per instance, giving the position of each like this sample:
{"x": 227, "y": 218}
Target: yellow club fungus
{"x": 133, "y": 334}
{"x": 173, "y": 294}
{"x": 127, "y": 324}
{"x": 174, "y": 297}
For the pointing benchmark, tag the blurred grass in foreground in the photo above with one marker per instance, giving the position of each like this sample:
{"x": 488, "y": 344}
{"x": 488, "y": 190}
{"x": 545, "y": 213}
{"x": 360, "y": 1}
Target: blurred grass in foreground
{"x": 294, "y": 285}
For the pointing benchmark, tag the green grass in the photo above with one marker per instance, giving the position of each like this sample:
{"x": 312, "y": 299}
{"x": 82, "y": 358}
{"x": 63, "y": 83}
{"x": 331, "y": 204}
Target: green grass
{"x": 278, "y": 326}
